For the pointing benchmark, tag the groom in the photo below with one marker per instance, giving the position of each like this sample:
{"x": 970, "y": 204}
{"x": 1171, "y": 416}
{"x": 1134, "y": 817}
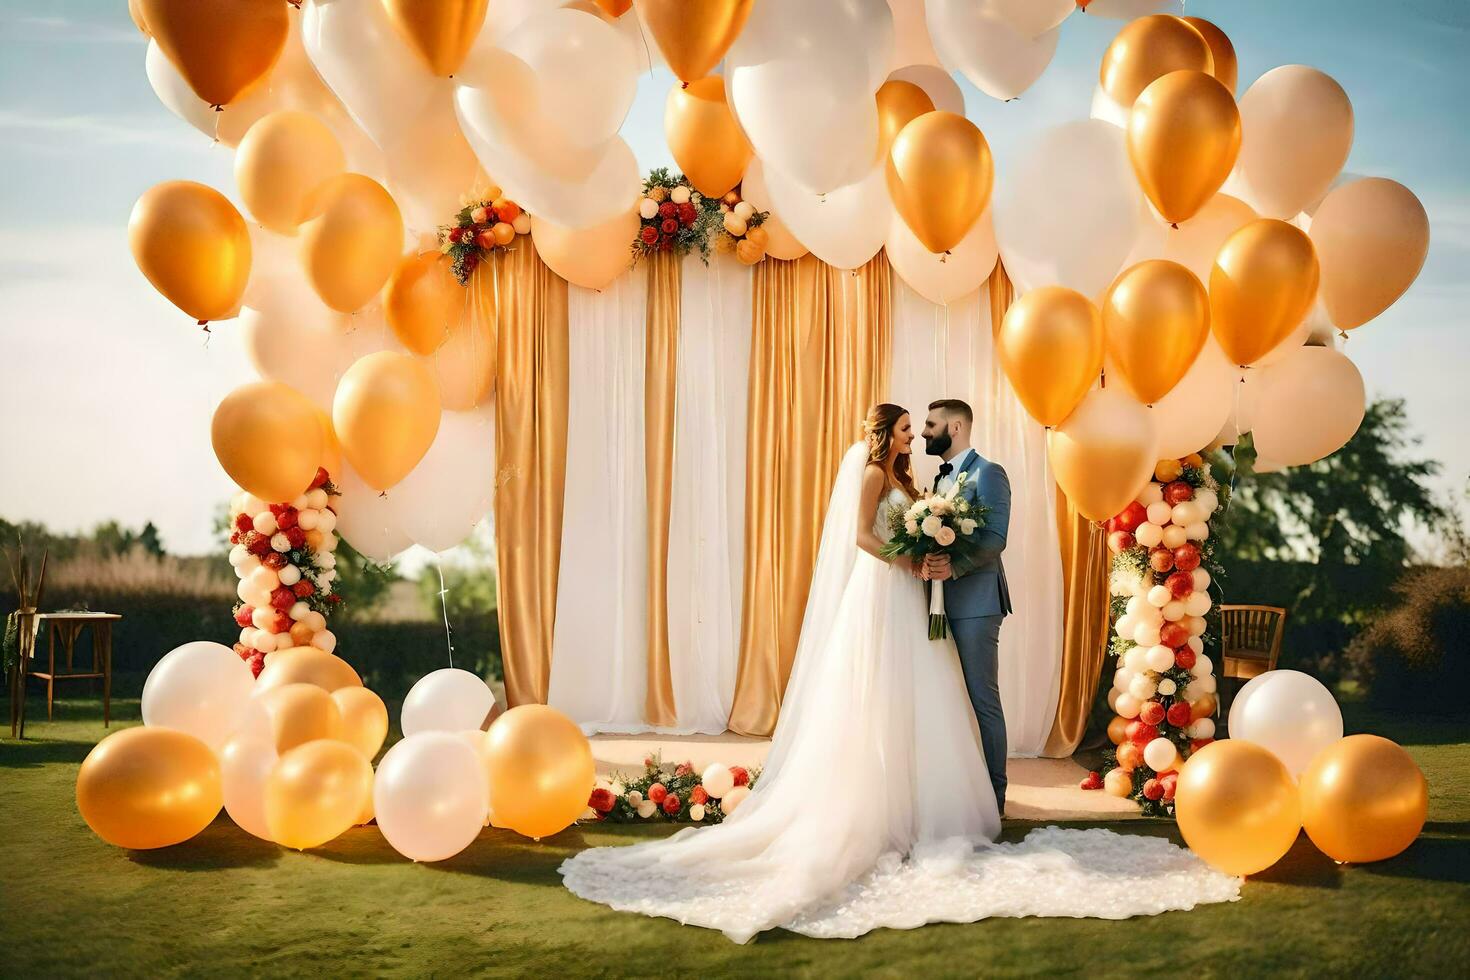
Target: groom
{"x": 976, "y": 599}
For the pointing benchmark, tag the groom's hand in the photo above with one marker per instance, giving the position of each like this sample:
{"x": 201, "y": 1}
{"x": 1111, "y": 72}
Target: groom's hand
{"x": 937, "y": 567}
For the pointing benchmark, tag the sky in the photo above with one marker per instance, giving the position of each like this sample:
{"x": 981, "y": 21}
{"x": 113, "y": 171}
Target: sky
{"x": 107, "y": 390}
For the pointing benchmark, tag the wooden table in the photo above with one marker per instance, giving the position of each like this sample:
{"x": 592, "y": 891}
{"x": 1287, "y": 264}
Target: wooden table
{"x": 64, "y": 628}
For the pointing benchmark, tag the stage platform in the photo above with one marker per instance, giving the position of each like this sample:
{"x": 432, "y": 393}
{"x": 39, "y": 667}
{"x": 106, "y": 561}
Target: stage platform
{"x": 1040, "y": 789}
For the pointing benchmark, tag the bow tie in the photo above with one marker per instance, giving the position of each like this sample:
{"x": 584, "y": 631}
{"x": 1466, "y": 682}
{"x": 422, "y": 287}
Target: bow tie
{"x": 945, "y": 469}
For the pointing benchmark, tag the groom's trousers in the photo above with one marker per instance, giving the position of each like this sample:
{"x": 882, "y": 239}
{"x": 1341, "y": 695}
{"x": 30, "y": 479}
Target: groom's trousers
{"x": 978, "y": 641}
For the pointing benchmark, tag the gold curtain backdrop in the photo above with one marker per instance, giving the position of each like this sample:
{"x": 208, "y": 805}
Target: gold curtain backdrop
{"x": 820, "y": 353}
{"x": 818, "y": 359}
{"x": 530, "y": 464}
{"x": 661, "y": 365}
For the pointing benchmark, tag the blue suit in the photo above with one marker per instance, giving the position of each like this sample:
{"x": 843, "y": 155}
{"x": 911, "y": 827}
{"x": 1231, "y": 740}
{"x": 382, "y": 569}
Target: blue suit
{"x": 976, "y": 600}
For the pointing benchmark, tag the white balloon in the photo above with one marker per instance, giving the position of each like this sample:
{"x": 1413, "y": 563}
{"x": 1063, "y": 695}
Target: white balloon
{"x": 1072, "y": 211}
{"x": 431, "y": 169}
{"x": 1030, "y": 17}
{"x": 1106, "y": 109}
{"x": 1198, "y": 603}
{"x": 295, "y": 338}
{"x": 365, "y": 61}
{"x": 245, "y": 764}
{"x": 976, "y": 41}
{"x": 801, "y": 82}
{"x": 1308, "y": 406}
{"x": 1159, "y": 658}
{"x": 1195, "y": 242}
{"x": 429, "y": 796}
{"x": 452, "y": 488}
{"x": 175, "y": 93}
{"x": 1191, "y": 415}
{"x": 1142, "y": 687}
{"x": 1160, "y": 755}
{"x": 585, "y": 70}
{"x": 845, "y": 227}
{"x": 937, "y": 83}
{"x": 1147, "y": 634}
{"x": 734, "y": 798}
{"x": 1202, "y": 728}
{"x": 200, "y": 688}
{"x": 1150, "y": 615}
{"x": 1127, "y": 706}
{"x": 1296, "y": 129}
{"x": 1152, "y": 493}
{"x": 1174, "y": 536}
{"x": 1173, "y": 611}
{"x": 717, "y": 779}
{"x": 447, "y": 700}
{"x": 1149, "y": 535}
{"x": 1159, "y": 512}
{"x": 1125, "y": 626}
{"x": 942, "y": 279}
{"x": 365, "y": 518}
{"x": 1201, "y": 579}
{"x": 911, "y": 44}
{"x": 1159, "y": 596}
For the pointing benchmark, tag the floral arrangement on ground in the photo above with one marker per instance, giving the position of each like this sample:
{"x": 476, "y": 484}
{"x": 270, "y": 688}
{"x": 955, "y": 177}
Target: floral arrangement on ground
{"x": 678, "y": 794}
{"x": 482, "y": 226}
{"x": 1164, "y": 691}
{"x": 674, "y": 217}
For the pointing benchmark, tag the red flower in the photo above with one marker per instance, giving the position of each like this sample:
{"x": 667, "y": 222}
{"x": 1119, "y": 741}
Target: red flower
{"x": 257, "y": 663}
{"x": 684, "y": 769}
{"x": 274, "y": 560}
{"x": 469, "y": 263}
{"x": 687, "y": 214}
{"x": 1179, "y": 714}
{"x": 235, "y": 537}
{"x": 698, "y": 795}
{"x": 242, "y": 651}
{"x": 671, "y": 804}
{"x": 334, "y": 598}
{"x": 243, "y": 615}
{"x": 741, "y": 774}
{"x": 670, "y": 226}
{"x": 1153, "y": 789}
{"x": 244, "y": 523}
{"x": 668, "y": 209}
{"x": 286, "y": 519}
{"x": 295, "y": 536}
{"x": 1151, "y": 713}
{"x": 485, "y": 240}
{"x": 282, "y": 598}
{"x": 321, "y": 479}
{"x": 601, "y": 800}
{"x": 1184, "y": 658}
{"x": 303, "y": 589}
{"x": 1093, "y": 780}
{"x": 1141, "y": 733}
{"x": 256, "y": 543}
{"x": 649, "y": 234}
{"x": 657, "y": 792}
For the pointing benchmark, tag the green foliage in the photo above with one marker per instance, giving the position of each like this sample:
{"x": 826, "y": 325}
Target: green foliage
{"x": 679, "y": 781}
{"x": 1417, "y": 657}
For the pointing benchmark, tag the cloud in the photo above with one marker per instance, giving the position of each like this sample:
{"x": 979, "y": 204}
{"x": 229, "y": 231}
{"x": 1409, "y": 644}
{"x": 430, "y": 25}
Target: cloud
{"x": 51, "y": 29}
{"x": 62, "y": 133}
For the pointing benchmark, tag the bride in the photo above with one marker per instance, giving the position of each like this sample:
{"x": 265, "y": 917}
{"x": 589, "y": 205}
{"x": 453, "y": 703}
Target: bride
{"x": 874, "y": 808}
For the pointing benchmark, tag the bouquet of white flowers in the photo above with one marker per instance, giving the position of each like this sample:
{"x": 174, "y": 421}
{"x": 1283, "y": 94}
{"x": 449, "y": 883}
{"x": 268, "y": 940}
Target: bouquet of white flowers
{"x": 936, "y": 523}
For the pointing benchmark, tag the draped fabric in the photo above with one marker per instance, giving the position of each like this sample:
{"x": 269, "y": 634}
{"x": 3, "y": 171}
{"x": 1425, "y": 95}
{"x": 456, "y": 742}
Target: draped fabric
{"x": 818, "y": 360}
{"x": 599, "y": 669}
{"x": 531, "y": 427}
{"x": 948, "y": 352}
{"x": 661, "y": 340}
{"x": 707, "y": 511}
{"x": 1085, "y": 625}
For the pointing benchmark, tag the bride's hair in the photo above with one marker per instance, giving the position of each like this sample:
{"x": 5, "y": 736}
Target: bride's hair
{"x": 878, "y": 432}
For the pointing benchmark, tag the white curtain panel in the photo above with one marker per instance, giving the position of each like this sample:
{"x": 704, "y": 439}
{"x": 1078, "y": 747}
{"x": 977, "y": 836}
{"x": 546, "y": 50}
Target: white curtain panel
{"x": 947, "y": 352}
{"x": 707, "y": 512}
{"x": 600, "y": 647}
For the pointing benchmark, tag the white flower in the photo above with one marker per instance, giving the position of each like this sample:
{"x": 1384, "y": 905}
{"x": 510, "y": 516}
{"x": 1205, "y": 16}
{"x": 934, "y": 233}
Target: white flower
{"x": 648, "y": 208}
{"x": 932, "y": 525}
{"x": 647, "y": 809}
{"x": 635, "y": 799}
{"x": 942, "y": 505}
{"x": 679, "y": 195}
{"x": 911, "y": 526}
{"x": 916, "y": 509}
{"x": 967, "y": 526}
{"x": 963, "y": 505}
{"x": 588, "y": 814}
{"x": 1166, "y": 686}
{"x": 696, "y": 812}
{"x": 944, "y": 536}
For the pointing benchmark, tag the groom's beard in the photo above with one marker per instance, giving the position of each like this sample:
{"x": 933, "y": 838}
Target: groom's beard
{"x": 938, "y": 445}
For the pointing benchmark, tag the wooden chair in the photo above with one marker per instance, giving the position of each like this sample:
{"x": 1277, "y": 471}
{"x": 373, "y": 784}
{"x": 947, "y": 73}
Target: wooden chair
{"x": 1250, "y": 640}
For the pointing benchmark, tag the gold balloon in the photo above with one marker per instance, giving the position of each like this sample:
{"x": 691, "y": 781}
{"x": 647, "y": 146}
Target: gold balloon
{"x": 588, "y": 257}
{"x": 1363, "y": 799}
{"x": 615, "y": 8}
{"x": 193, "y": 246}
{"x": 1183, "y": 138}
{"x": 299, "y": 713}
{"x": 1148, "y": 48}
{"x": 899, "y": 103}
{"x": 364, "y": 720}
{"x": 351, "y": 240}
{"x": 940, "y": 173}
{"x": 1051, "y": 347}
{"x": 540, "y": 770}
{"x": 386, "y": 413}
{"x": 464, "y": 366}
{"x": 220, "y": 47}
{"x": 441, "y": 31}
{"x": 331, "y": 448}
{"x": 1118, "y": 730}
{"x": 1263, "y": 283}
{"x": 306, "y": 665}
{"x": 268, "y": 439}
{"x": 422, "y": 299}
{"x": 1103, "y": 454}
{"x": 704, "y": 137}
{"x": 748, "y": 252}
{"x": 1372, "y": 236}
{"x": 142, "y": 788}
{"x": 1237, "y": 806}
{"x": 1222, "y": 52}
{"x": 316, "y": 792}
{"x": 1156, "y": 319}
{"x": 135, "y": 11}
{"x": 281, "y": 160}
{"x": 693, "y": 37}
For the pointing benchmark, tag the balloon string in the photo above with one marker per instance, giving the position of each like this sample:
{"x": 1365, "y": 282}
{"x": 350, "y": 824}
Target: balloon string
{"x": 444, "y": 606}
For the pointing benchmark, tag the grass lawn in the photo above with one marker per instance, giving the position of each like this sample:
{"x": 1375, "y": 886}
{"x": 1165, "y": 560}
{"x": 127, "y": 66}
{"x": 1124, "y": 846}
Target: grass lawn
{"x": 226, "y": 903}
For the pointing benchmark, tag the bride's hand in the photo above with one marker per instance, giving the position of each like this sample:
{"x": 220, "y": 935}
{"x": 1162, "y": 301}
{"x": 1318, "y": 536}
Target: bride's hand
{"x": 907, "y": 564}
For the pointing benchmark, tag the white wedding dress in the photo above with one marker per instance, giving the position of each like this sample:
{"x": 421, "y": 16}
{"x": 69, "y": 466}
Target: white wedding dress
{"x": 874, "y": 808}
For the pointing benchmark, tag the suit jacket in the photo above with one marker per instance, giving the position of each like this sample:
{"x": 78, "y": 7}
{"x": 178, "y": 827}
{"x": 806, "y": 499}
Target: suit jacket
{"x": 979, "y": 585}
